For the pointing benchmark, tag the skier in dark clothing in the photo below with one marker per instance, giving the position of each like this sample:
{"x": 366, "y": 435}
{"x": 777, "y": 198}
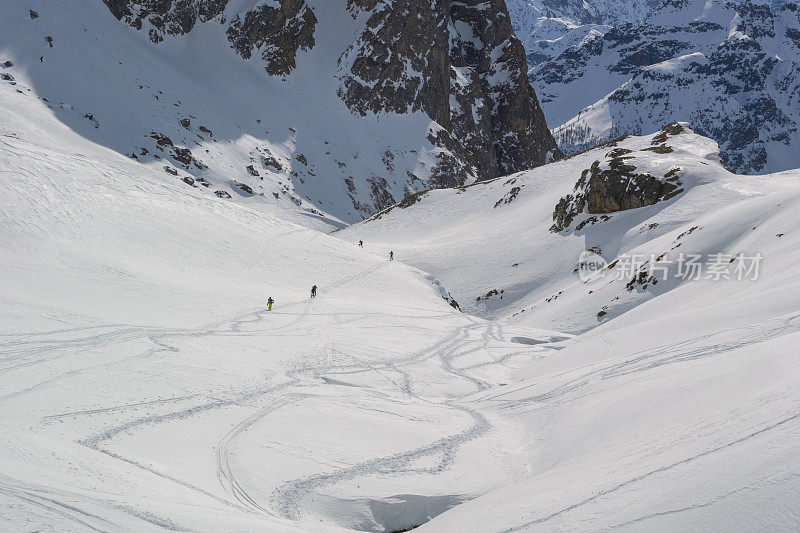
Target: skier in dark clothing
{"x": 360, "y": 244}
{"x": 391, "y": 255}
{"x": 269, "y": 303}
{"x": 314, "y": 291}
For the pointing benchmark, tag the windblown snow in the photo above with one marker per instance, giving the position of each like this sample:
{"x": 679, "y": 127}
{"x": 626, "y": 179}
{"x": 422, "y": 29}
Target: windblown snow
{"x": 144, "y": 385}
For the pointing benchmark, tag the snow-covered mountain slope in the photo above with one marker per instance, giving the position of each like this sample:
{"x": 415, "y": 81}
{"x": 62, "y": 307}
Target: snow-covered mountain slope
{"x": 676, "y": 406}
{"x": 285, "y": 108}
{"x": 729, "y": 68}
{"x": 145, "y": 386}
{"x": 549, "y": 27}
{"x": 684, "y": 418}
{"x": 510, "y": 248}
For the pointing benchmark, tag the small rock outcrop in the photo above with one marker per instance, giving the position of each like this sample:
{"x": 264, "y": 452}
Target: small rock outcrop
{"x": 615, "y": 184}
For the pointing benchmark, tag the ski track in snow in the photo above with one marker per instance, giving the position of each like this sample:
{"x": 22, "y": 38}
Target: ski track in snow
{"x": 63, "y": 510}
{"x": 679, "y": 352}
{"x": 777, "y": 425}
{"x": 125, "y": 411}
{"x": 287, "y": 500}
{"x": 288, "y": 497}
{"x": 224, "y": 471}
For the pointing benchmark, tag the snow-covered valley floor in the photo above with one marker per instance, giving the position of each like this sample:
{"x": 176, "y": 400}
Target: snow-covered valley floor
{"x": 145, "y": 386}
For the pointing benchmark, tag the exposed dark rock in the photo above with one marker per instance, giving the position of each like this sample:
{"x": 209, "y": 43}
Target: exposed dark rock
{"x": 660, "y": 149}
{"x": 509, "y": 197}
{"x": 518, "y": 128}
{"x": 171, "y": 170}
{"x": 222, "y": 194}
{"x": 363, "y": 5}
{"x": 184, "y": 157}
{"x": 647, "y": 53}
{"x": 492, "y": 293}
{"x": 246, "y": 188}
{"x": 471, "y": 120}
{"x": 613, "y": 185}
{"x": 399, "y": 67}
{"x": 161, "y": 139}
{"x": 166, "y": 17}
{"x": 34, "y": 14}
{"x": 452, "y": 167}
{"x": 271, "y": 162}
{"x": 252, "y": 170}
{"x": 278, "y": 32}
{"x": 670, "y": 130}
{"x": 409, "y": 200}
{"x": 591, "y": 221}
{"x": 8, "y": 64}
{"x": 379, "y": 191}
{"x": 186, "y": 123}
{"x": 380, "y": 71}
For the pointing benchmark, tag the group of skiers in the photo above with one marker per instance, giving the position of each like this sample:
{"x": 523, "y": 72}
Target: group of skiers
{"x": 391, "y": 252}
{"x": 270, "y": 301}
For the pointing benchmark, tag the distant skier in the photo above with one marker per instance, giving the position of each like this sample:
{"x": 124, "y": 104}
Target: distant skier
{"x": 269, "y": 303}
{"x": 314, "y": 291}
{"x": 360, "y": 244}
{"x": 391, "y": 255}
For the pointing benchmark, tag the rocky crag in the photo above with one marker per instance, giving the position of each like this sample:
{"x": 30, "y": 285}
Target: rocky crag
{"x": 458, "y": 62}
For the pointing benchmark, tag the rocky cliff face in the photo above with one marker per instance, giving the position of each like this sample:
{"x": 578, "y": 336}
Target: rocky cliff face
{"x": 458, "y": 62}
{"x": 166, "y": 17}
{"x": 486, "y": 46}
{"x": 276, "y": 31}
{"x": 464, "y": 67}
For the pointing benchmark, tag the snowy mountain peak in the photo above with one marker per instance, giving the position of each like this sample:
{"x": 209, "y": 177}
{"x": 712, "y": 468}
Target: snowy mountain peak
{"x": 727, "y": 68}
